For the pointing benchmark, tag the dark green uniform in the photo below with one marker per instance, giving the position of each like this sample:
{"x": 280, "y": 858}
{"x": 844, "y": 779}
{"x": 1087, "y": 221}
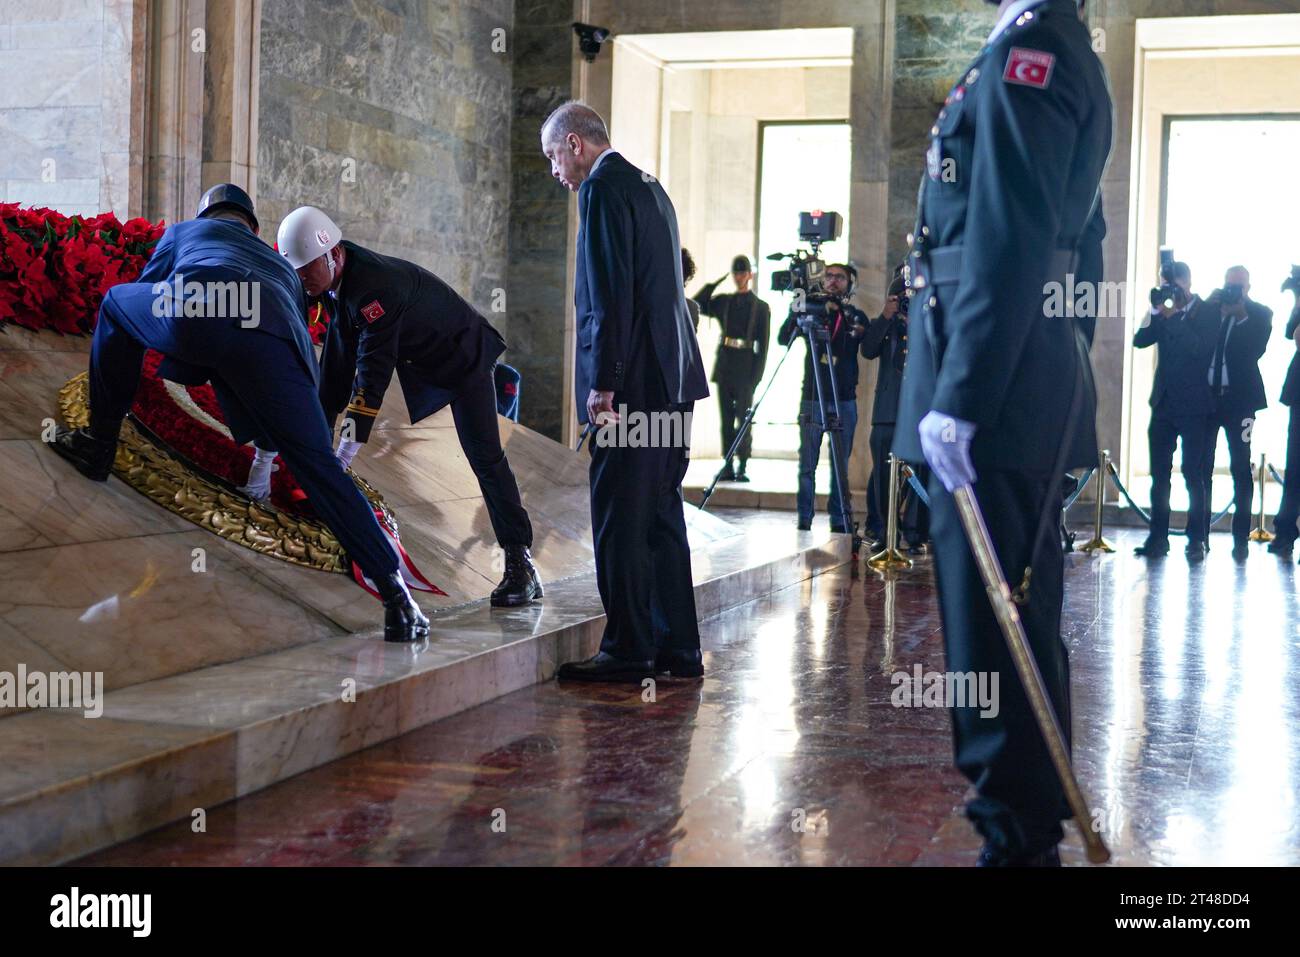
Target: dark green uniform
{"x": 741, "y": 358}
{"x": 1012, "y": 176}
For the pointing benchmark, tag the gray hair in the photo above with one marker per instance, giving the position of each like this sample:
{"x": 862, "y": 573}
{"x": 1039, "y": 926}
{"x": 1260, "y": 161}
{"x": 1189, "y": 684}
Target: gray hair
{"x": 576, "y": 117}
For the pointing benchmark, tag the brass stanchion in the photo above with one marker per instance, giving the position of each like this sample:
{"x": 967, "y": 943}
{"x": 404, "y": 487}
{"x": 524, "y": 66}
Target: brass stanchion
{"x": 1261, "y": 534}
{"x": 1098, "y": 543}
{"x": 890, "y": 557}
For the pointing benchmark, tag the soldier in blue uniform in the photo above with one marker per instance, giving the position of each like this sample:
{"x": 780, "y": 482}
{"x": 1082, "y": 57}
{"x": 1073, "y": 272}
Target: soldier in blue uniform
{"x": 998, "y": 393}
{"x": 261, "y": 364}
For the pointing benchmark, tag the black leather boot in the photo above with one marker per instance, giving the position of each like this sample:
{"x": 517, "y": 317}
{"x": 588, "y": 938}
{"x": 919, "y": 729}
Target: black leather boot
{"x": 91, "y": 456}
{"x": 520, "y": 584}
{"x": 403, "y": 620}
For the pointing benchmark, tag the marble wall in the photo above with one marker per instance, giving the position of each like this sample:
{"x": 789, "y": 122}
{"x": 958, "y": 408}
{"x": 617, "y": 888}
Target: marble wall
{"x": 66, "y": 113}
{"x": 393, "y": 116}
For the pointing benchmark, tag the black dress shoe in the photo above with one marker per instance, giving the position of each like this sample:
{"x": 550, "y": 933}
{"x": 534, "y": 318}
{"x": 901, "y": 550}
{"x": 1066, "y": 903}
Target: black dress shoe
{"x": 740, "y": 473}
{"x": 728, "y": 475}
{"x": 989, "y": 857}
{"x": 403, "y": 620}
{"x": 805, "y": 526}
{"x": 1281, "y": 546}
{"x": 605, "y": 667}
{"x": 1240, "y": 551}
{"x": 1195, "y": 551}
{"x": 91, "y": 456}
{"x": 680, "y": 664}
{"x": 520, "y": 584}
{"x": 1152, "y": 549}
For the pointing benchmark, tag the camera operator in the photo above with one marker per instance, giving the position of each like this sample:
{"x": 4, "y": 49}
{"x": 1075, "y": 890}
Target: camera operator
{"x": 847, "y": 326}
{"x": 1238, "y": 391}
{"x": 886, "y": 340}
{"x": 742, "y": 356}
{"x": 1285, "y": 529}
{"x": 1181, "y": 326}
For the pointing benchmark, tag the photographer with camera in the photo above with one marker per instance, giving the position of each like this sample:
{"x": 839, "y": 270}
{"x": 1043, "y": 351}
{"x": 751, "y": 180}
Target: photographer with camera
{"x": 839, "y": 358}
{"x": 1238, "y": 392}
{"x": 1285, "y": 528}
{"x": 1182, "y": 328}
{"x": 886, "y": 340}
{"x": 741, "y": 358}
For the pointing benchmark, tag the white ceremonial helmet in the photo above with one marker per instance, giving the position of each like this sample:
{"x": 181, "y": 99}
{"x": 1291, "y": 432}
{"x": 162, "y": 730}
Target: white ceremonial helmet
{"x": 306, "y": 234}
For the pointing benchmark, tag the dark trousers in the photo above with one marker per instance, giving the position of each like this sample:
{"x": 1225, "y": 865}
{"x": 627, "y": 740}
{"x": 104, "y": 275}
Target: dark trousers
{"x": 1020, "y": 803}
{"x": 474, "y": 411}
{"x": 1236, "y": 425}
{"x": 735, "y": 395}
{"x": 1288, "y": 513}
{"x": 265, "y": 375}
{"x": 913, "y": 517}
{"x": 643, "y": 557}
{"x": 1162, "y": 436}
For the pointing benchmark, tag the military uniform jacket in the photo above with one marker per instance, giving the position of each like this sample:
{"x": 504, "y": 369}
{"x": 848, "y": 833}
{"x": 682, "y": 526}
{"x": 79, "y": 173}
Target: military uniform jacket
{"x": 391, "y": 315}
{"x": 743, "y": 316}
{"x": 1011, "y": 184}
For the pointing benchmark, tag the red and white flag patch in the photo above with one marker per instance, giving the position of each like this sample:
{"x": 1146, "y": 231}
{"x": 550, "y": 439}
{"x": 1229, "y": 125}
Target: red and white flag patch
{"x": 1029, "y": 67}
{"x": 372, "y": 310}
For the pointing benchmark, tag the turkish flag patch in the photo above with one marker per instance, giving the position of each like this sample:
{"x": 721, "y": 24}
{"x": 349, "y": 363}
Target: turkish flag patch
{"x": 372, "y": 310}
{"x": 1029, "y": 67}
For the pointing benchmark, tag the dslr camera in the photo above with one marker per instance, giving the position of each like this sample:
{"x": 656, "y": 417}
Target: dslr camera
{"x": 1293, "y": 283}
{"x": 1166, "y": 294}
{"x": 806, "y": 274}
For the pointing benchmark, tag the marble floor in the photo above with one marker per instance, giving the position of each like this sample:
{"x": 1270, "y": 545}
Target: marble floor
{"x": 1187, "y": 729}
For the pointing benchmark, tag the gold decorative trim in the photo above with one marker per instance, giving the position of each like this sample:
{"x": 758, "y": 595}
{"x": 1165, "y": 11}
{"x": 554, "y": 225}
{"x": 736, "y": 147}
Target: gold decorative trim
{"x": 169, "y": 481}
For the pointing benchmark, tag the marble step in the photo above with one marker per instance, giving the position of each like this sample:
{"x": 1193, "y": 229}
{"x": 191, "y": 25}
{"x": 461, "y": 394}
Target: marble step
{"x": 171, "y": 748}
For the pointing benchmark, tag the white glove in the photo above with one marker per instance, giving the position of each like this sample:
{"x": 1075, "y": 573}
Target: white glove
{"x": 259, "y": 475}
{"x": 946, "y": 443}
{"x": 347, "y": 451}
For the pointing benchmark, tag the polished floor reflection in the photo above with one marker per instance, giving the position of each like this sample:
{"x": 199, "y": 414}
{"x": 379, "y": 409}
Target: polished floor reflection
{"x": 1187, "y": 728}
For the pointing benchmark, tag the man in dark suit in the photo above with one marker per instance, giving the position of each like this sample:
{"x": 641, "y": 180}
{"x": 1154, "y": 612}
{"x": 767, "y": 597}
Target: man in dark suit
{"x": 1241, "y": 335}
{"x": 388, "y": 315}
{"x": 1183, "y": 333}
{"x": 637, "y": 358}
{"x": 262, "y": 367}
{"x": 886, "y": 340}
{"x": 1285, "y": 528}
{"x": 745, "y": 322}
{"x": 997, "y": 394}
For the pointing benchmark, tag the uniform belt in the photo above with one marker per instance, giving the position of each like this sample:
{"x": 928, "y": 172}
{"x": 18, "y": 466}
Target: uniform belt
{"x": 731, "y": 343}
{"x": 943, "y": 265}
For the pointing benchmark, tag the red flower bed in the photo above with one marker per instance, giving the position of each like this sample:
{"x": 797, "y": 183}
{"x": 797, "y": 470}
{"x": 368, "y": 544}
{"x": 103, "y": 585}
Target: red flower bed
{"x": 54, "y": 272}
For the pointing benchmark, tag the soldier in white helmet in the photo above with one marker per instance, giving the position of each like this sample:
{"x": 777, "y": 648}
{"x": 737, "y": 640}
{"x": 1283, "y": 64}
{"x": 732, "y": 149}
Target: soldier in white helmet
{"x": 388, "y": 315}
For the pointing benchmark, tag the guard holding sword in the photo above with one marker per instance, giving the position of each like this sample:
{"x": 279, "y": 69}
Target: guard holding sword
{"x": 998, "y": 399}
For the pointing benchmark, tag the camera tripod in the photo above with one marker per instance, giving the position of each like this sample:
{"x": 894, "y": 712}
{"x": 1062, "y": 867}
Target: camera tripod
{"x": 818, "y": 333}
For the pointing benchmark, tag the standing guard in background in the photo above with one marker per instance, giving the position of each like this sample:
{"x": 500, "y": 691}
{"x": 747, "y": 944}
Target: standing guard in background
{"x": 388, "y": 315}
{"x": 886, "y": 340}
{"x": 1284, "y": 523}
{"x": 997, "y": 395}
{"x": 742, "y": 356}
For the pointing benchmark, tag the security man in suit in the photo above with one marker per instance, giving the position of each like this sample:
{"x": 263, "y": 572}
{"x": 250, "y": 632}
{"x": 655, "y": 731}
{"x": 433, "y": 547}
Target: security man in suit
{"x": 388, "y": 315}
{"x": 1241, "y": 335}
{"x": 886, "y": 340}
{"x": 997, "y": 394}
{"x": 637, "y": 357}
{"x": 847, "y": 326}
{"x": 1285, "y": 529}
{"x": 741, "y": 358}
{"x": 1183, "y": 333}
{"x": 262, "y": 367}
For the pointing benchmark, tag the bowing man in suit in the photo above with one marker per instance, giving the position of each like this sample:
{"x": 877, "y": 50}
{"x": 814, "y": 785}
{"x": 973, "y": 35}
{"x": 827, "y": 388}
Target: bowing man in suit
{"x": 637, "y": 361}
